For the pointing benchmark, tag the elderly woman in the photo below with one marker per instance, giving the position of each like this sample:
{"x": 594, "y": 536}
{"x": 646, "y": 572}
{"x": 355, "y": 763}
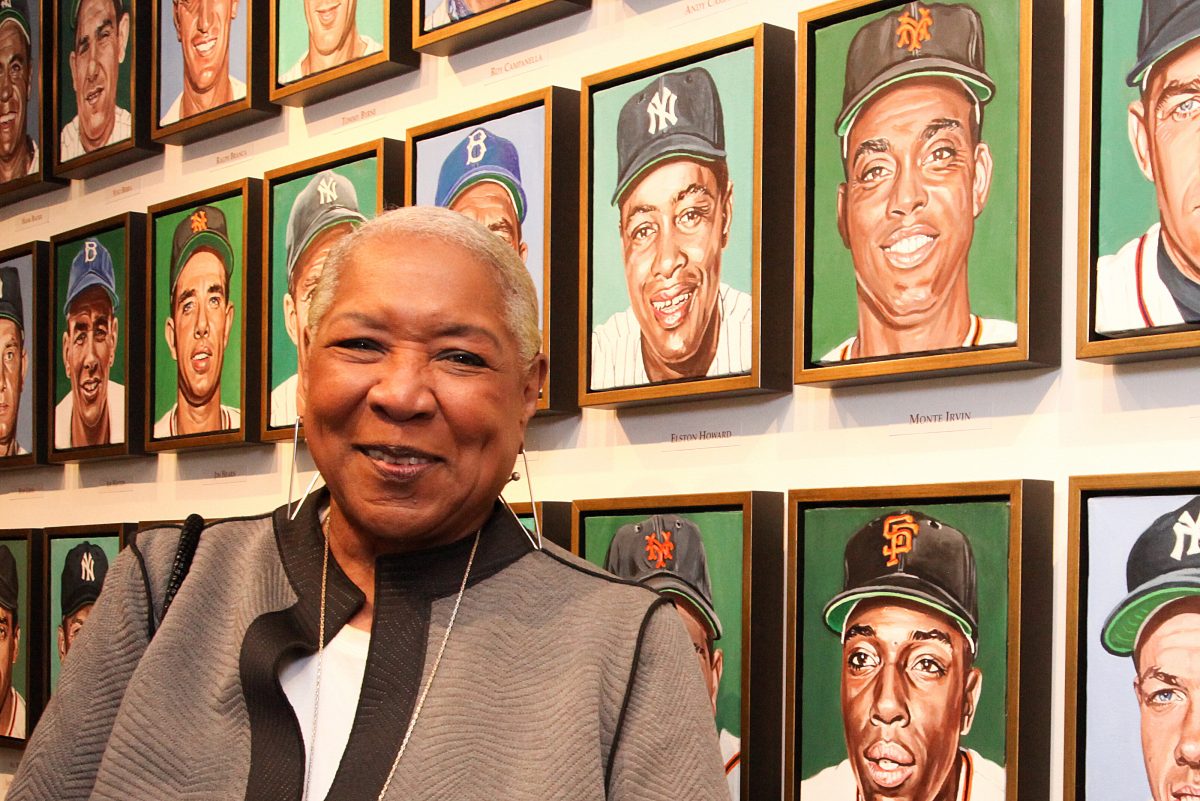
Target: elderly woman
{"x": 402, "y": 638}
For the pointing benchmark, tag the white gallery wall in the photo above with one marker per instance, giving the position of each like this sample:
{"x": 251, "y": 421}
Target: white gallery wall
{"x": 1080, "y": 419}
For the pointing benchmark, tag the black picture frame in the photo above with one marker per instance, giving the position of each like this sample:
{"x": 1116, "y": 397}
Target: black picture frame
{"x": 29, "y": 643}
{"x": 36, "y": 353}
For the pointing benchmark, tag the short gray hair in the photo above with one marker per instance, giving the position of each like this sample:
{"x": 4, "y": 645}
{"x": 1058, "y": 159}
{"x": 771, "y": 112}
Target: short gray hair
{"x": 512, "y": 279}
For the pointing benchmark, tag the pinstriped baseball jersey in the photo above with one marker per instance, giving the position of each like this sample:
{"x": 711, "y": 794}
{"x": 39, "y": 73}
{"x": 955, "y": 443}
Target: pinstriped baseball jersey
{"x": 70, "y": 147}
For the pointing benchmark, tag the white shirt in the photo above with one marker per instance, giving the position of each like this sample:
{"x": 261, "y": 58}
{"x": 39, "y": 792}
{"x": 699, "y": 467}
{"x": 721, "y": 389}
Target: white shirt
{"x": 981, "y": 331}
{"x": 167, "y": 425}
{"x": 283, "y": 402}
{"x": 617, "y": 344}
{"x": 70, "y": 147}
{"x": 979, "y": 780}
{"x": 116, "y": 417}
{"x": 345, "y": 662}
{"x": 16, "y": 726}
{"x": 1129, "y": 292}
{"x": 172, "y": 114}
{"x": 296, "y": 72}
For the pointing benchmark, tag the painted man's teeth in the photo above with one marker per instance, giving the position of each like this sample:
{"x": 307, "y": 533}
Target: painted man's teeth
{"x": 911, "y": 244}
{"x": 667, "y": 305}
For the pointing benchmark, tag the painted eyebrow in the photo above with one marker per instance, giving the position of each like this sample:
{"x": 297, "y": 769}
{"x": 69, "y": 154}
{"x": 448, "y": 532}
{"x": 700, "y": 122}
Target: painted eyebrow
{"x": 1174, "y": 89}
{"x": 872, "y": 146}
{"x": 930, "y": 634}
{"x": 693, "y": 189}
{"x": 1161, "y": 675}
{"x": 858, "y": 631}
{"x": 939, "y": 125}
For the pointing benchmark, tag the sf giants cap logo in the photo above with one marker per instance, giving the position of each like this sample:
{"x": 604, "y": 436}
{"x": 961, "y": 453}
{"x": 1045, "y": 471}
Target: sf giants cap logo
{"x": 199, "y": 221}
{"x": 1186, "y": 527}
{"x": 659, "y": 552}
{"x": 912, "y": 31}
{"x": 476, "y": 146}
{"x": 661, "y": 110}
{"x": 327, "y": 190}
{"x": 900, "y": 531}
{"x": 87, "y": 567}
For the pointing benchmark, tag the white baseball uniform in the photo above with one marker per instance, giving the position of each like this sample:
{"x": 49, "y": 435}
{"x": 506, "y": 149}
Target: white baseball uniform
{"x": 168, "y": 424}
{"x": 296, "y": 71}
{"x": 617, "y": 344}
{"x": 982, "y": 331}
{"x": 979, "y": 779}
{"x": 116, "y": 417}
{"x": 16, "y": 724}
{"x": 283, "y": 402}
{"x": 70, "y": 146}
{"x": 171, "y": 115}
{"x": 731, "y": 754}
{"x": 1129, "y": 292}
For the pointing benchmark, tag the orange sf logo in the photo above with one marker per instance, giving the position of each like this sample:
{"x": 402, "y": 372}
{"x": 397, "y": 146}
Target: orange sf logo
{"x": 199, "y": 221}
{"x": 899, "y": 531}
{"x": 911, "y": 31}
{"x": 659, "y": 552}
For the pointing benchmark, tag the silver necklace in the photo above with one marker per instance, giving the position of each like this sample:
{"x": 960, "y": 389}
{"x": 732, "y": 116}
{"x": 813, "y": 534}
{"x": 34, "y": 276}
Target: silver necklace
{"x": 437, "y": 662}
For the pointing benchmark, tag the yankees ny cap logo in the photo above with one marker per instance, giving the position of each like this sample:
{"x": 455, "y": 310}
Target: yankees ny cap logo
{"x": 659, "y": 552}
{"x": 661, "y": 110}
{"x": 1187, "y": 528}
{"x": 199, "y": 221}
{"x": 476, "y": 146}
{"x": 327, "y": 190}
{"x": 87, "y": 567}
{"x": 912, "y": 30}
{"x": 900, "y": 531}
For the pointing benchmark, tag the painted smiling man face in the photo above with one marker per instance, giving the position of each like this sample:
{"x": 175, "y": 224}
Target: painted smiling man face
{"x": 101, "y": 38}
{"x": 202, "y": 27}
{"x": 674, "y": 227}
{"x": 15, "y": 83}
{"x": 917, "y": 177}
{"x": 331, "y": 23}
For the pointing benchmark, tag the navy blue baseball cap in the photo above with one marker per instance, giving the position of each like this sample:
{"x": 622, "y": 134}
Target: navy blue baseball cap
{"x": 83, "y": 576}
{"x": 481, "y": 156}
{"x": 92, "y": 266}
{"x": 1166, "y": 26}
{"x": 11, "y": 307}
{"x": 327, "y": 200}
{"x": 203, "y": 227}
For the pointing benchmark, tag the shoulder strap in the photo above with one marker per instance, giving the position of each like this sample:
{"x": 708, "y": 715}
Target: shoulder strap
{"x": 189, "y": 539}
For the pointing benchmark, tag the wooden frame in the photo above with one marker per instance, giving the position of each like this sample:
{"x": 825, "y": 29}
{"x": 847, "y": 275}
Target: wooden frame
{"x": 1016, "y": 233}
{"x": 388, "y": 178}
{"x": 482, "y": 27}
{"x": 394, "y": 58}
{"x": 554, "y": 517}
{"x": 34, "y": 258}
{"x": 761, "y": 612}
{"x": 29, "y": 642}
{"x": 1110, "y": 325}
{"x": 164, "y": 221}
{"x": 254, "y": 104}
{"x": 1111, "y": 512}
{"x": 38, "y": 107}
{"x": 138, "y": 144}
{"x": 56, "y": 546}
{"x": 127, "y": 232}
{"x": 555, "y": 146}
{"x": 1021, "y": 713}
{"x": 761, "y": 151}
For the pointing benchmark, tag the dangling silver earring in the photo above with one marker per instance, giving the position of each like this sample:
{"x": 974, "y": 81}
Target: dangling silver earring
{"x": 292, "y": 473}
{"x": 537, "y": 523}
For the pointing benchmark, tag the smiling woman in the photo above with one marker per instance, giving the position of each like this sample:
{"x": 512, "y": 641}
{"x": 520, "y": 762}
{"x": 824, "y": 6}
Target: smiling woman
{"x": 355, "y": 634}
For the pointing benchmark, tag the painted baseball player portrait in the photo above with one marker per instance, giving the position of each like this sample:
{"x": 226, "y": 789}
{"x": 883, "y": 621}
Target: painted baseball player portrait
{"x": 695, "y": 560}
{"x": 1149, "y": 276}
{"x": 14, "y": 561}
{"x": 20, "y": 65}
{"x": 494, "y": 173}
{"x": 89, "y": 394}
{"x": 442, "y": 12}
{"x": 198, "y": 290}
{"x": 671, "y": 221}
{"x": 902, "y": 653}
{"x": 78, "y": 567}
{"x": 335, "y": 32}
{"x": 96, "y": 35}
{"x": 1142, "y": 591}
{"x": 202, "y": 56}
{"x": 309, "y": 215}
{"x": 17, "y": 367}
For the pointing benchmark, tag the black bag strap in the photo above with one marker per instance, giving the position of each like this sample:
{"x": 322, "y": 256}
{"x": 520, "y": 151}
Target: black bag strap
{"x": 189, "y": 539}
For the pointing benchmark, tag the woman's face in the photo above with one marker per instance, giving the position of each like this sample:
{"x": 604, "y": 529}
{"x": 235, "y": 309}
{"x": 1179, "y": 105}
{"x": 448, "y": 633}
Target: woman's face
{"x": 417, "y": 400}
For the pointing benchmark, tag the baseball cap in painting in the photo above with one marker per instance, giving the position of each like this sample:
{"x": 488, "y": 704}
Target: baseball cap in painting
{"x": 11, "y": 307}
{"x": 92, "y": 266}
{"x": 82, "y": 576}
{"x": 1166, "y": 26}
{"x": 481, "y": 156}
{"x": 329, "y": 199}
{"x": 665, "y": 552}
{"x": 9, "y": 583}
{"x": 203, "y": 227}
{"x": 912, "y": 41}
{"x": 119, "y": 5}
{"x": 15, "y": 11}
{"x": 676, "y": 114}
{"x": 1163, "y": 566}
{"x": 910, "y": 555}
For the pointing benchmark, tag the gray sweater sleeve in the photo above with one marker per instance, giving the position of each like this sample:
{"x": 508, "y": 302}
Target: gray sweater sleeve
{"x": 667, "y": 746}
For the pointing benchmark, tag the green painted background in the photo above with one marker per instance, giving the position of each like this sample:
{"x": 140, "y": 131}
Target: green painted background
{"x": 19, "y": 548}
{"x": 293, "y": 28}
{"x": 114, "y": 241}
{"x": 722, "y": 535}
{"x": 66, "y": 43}
{"x": 59, "y": 548}
{"x": 362, "y": 174}
{"x": 734, "y": 76}
{"x": 824, "y": 534}
{"x": 1125, "y": 201}
{"x": 993, "y": 260}
{"x": 165, "y": 378}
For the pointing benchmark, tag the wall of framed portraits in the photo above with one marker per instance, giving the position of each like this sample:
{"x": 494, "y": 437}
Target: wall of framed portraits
{"x": 820, "y": 412}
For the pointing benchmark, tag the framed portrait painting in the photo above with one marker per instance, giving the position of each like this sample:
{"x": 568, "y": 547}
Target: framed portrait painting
{"x": 307, "y": 208}
{"x": 1132, "y": 637}
{"x": 24, "y": 274}
{"x": 207, "y": 78}
{"x": 928, "y": 215}
{"x": 1139, "y": 233}
{"x": 96, "y": 300}
{"x": 203, "y": 306}
{"x": 319, "y": 50}
{"x": 26, "y": 149}
{"x": 101, "y": 85}
{"x": 919, "y": 641}
{"x": 446, "y": 27}
{"x": 718, "y": 558}
{"x": 513, "y": 167}
{"x": 19, "y": 661}
{"x": 684, "y": 222}
{"x": 76, "y": 560}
